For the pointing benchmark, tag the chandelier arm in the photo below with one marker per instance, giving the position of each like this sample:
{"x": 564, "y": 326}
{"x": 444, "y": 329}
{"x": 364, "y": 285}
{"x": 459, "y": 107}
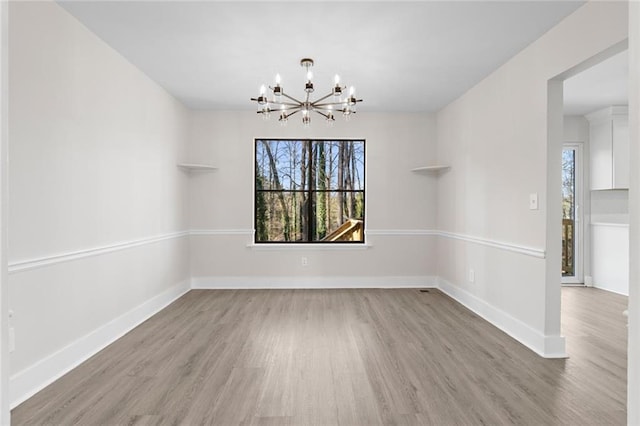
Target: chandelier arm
{"x": 327, "y": 107}
{"x": 321, "y": 99}
{"x": 294, "y": 112}
{"x": 281, "y": 103}
{"x": 330, "y": 104}
{"x": 321, "y": 113}
{"x": 293, "y": 99}
{"x": 334, "y": 103}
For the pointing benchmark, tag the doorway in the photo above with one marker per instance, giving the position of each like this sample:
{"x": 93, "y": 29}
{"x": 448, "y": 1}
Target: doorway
{"x": 593, "y": 89}
{"x": 572, "y": 214}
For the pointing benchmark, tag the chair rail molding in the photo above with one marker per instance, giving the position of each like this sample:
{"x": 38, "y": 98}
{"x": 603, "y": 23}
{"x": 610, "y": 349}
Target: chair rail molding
{"x": 39, "y": 262}
{"x": 514, "y": 248}
{"x": 501, "y": 245}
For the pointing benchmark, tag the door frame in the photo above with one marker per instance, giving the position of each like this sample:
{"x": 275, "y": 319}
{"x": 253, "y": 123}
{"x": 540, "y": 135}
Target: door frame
{"x": 579, "y": 224}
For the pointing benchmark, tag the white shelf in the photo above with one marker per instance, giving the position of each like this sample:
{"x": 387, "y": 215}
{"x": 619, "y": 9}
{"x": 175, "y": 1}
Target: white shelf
{"x": 192, "y": 167}
{"x": 430, "y": 169}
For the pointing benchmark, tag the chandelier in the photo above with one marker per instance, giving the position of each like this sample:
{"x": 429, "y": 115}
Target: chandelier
{"x": 287, "y": 105}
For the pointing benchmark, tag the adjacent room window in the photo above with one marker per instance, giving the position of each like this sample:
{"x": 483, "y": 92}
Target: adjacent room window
{"x": 309, "y": 191}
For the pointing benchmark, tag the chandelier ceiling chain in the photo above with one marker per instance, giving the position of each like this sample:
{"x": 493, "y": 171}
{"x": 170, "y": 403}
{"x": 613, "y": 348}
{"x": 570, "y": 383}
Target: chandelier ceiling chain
{"x": 325, "y": 106}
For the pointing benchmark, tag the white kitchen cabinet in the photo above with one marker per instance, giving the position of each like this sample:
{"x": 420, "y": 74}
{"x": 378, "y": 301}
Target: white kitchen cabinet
{"x": 620, "y": 152}
{"x": 609, "y": 148}
{"x": 610, "y": 256}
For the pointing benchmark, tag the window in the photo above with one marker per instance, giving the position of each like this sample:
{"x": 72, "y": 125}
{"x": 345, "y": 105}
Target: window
{"x": 309, "y": 191}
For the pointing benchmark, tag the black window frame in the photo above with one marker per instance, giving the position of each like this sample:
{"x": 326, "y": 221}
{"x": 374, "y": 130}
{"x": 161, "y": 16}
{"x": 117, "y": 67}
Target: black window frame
{"x": 310, "y": 192}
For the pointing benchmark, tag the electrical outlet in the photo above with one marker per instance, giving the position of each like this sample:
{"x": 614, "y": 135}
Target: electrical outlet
{"x": 472, "y": 276}
{"x": 305, "y": 261}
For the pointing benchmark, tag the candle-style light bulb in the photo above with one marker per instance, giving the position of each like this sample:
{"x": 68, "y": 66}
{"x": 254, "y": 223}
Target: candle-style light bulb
{"x": 337, "y": 90}
{"x": 330, "y": 117}
{"x": 347, "y": 113}
{"x": 266, "y": 112}
{"x": 308, "y": 87}
{"x": 262, "y": 99}
{"x": 277, "y": 90}
{"x": 352, "y": 99}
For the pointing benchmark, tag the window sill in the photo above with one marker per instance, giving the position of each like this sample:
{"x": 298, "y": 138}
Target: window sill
{"x": 308, "y": 246}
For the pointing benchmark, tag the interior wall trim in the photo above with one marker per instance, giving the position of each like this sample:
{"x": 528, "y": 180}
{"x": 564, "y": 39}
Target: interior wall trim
{"x": 514, "y": 248}
{"x": 25, "y": 265}
{"x": 544, "y": 345}
{"x": 204, "y": 232}
{"x": 28, "y": 264}
{"x": 400, "y": 232}
{"x": 501, "y": 245}
{"x": 311, "y": 282}
{"x": 36, "y": 377}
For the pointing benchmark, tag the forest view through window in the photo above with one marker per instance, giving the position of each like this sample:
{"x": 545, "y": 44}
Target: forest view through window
{"x": 309, "y": 191}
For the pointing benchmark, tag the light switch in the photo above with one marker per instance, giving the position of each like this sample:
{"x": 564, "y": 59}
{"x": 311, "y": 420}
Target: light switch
{"x": 533, "y": 201}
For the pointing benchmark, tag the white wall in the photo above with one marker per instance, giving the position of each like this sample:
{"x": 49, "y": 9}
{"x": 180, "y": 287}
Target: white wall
{"x": 633, "y": 394}
{"x": 5, "y": 414}
{"x": 611, "y": 206}
{"x": 97, "y": 206}
{"x": 610, "y": 257}
{"x": 609, "y": 252}
{"x": 576, "y": 128}
{"x": 495, "y": 138}
{"x": 400, "y": 205}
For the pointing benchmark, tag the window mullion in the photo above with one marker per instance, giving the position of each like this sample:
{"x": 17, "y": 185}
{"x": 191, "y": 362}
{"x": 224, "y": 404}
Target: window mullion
{"x": 310, "y": 218}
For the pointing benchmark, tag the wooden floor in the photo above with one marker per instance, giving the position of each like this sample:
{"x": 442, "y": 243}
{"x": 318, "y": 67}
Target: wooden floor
{"x": 343, "y": 357}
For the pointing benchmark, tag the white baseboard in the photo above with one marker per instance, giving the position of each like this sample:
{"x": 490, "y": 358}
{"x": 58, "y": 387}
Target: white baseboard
{"x": 26, "y": 383}
{"x": 611, "y": 290}
{"x": 545, "y": 346}
{"x": 260, "y": 282}
{"x": 31, "y": 380}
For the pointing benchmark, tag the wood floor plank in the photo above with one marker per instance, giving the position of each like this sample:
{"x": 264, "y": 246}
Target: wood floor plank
{"x": 343, "y": 357}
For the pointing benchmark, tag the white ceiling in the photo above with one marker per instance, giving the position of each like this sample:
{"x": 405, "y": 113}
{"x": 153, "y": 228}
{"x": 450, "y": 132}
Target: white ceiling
{"x": 400, "y": 56}
{"x": 598, "y": 87}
